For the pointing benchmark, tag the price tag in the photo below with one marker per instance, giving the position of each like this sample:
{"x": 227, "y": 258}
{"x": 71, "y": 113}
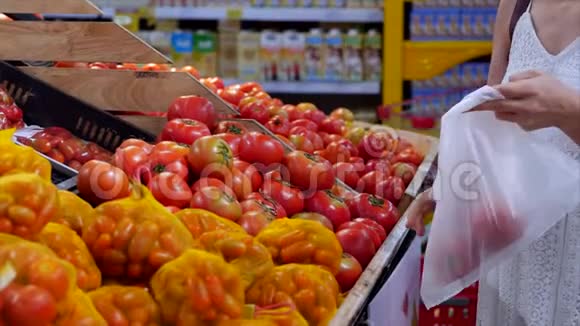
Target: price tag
{"x": 234, "y": 13}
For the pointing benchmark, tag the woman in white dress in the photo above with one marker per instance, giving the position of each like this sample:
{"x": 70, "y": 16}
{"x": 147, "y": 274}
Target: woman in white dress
{"x": 539, "y": 68}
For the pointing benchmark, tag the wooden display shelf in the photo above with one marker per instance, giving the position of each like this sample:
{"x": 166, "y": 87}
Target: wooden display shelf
{"x": 73, "y": 41}
{"x": 48, "y": 7}
{"x": 124, "y": 90}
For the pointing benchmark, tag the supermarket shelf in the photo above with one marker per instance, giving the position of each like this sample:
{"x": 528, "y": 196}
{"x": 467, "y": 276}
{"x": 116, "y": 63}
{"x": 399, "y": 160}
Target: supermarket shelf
{"x": 273, "y": 14}
{"x": 107, "y": 13}
{"x": 308, "y": 87}
{"x": 425, "y": 60}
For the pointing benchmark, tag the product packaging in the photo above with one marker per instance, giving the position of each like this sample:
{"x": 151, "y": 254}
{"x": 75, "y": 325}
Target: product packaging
{"x": 292, "y": 63}
{"x": 249, "y": 55}
{"x": 270, "y": 54}
{"x": 372, "y": 55}
{"x": 467, "y": 28}
{"x": 353, "y": 62}
{"x": 321, "y": 3}
{"x": 228, "y": 50}
{"x": 182, "y": 48}
{"x": 205, "y": 52}
{"x": 273, "y": 3}
{"x": 498, "y": 189}
{"x": 354, "y": 3}
{"x": 305, "y": 3}
{"x": 315, "y": 55}
{"x": 337, "y": 3}
{"x": 334, "y": 55}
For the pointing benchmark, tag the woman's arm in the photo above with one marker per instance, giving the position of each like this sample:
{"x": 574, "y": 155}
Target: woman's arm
{"x": 501, "y": 42}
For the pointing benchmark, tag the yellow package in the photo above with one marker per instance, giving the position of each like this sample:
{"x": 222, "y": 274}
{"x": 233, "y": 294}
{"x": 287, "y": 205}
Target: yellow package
{"x": 301, "y": 241}
{"x": 15, "y": 158}
{"x": 29, "y": 268}
{"x": 311, "y": 289}
{"x": 81, "y": 312}
{"x": 250, "y": 257}
{"x": 134, "y": 236}
{"x": 199, "y": 221}
{"x": 74, "y": 211}
{"x": 70, "y": 247}
{"x": 198, "y": 288}
{"x": 27, "y": 203}
{"x": 126, "y": 305}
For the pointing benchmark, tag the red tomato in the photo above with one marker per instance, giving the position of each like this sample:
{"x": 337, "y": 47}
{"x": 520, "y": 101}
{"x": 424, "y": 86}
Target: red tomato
{"x": 69, "y": 64}
{"x": 29, "y": 305}
{"x": 41, "y": 144}
{"x": 315, "y": 217}
{"x": 255, "y": 220}
{"x": 374, "y": 145}
{"x": 402, "y": 144}
{"x": 368, "y": 183}
{"x": 349, "y": 271}
{"x": 306, "y": 124}
{"x": 381, "y": 165}
{"x": 247, "y": 100}
{"x": 132, "y": 159}
{"x": 336, "y": 152}
{"x": 192, "y": 107}
{"x": 255, "y": 110}
{"x": 98, "y": 65}
{"x": 169, "y": 161}
{"x": 329, "y": 138}
{"x": 376, "y": 208}
{"x": 184, "y": 131}
{"x": 328, "y": 204}
{"x": 357, "y": 242}
{"x": 302, "y": 143}
{"x": 259, "y": 148}
{"x": 233, "y": 141}
{"x": 342, "y": 114}
{"x": 211, "y": 182}
{"x": 293, "y": 112}
{"x": 170, "y": 146}
{"x": 248, "y": 87}
{"x": 349, "y": 173}
{"x": 373, "y": 226}
{"x": 217, "y": 201}
{"x": 137, "y": 142}
{"x": 231, "y": 127}
{"x": 306, "y": 107}
{"x": 191, "y": 70}
{"x": 260, "y": 202}
{"x": 289, "y": 197}
{"x": 238, "y": 182}
{"x": 392, "y": 188}
{"x": 409, "y": 155}
{"x": 173, "y": 209}
{"x": 12, "y": 112}
{"x": 316, "y": 116}
{"x": 286, "y": 141}
{"x": 262, "y": 95}
{"x": 56, "y": 155}
{"x": 333, "y": 126}
{"x": 129, "y": 66}
{"x": 309, "y": 172}
{"x": 405, "y": 171}
{"x": 251, "y": 172}
{"x": 377, "y": 241}
{"x": 212, "y": 154}
{"x": 99, "y": 182}
{"x": 231, "y": 95}
{"x": 216, "y": 81}
{"x": 70, "y": 148}
{"x": 279, "y": 125}
{"x": 170, "y": 189}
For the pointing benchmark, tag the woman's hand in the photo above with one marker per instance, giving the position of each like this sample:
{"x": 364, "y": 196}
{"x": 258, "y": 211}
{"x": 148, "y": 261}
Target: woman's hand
{"x": 535, "y": 100}
{"x": 422, "y": 205}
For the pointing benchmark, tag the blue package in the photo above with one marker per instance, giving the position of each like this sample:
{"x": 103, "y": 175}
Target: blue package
{"x": 466, "y": 27}
{"x": 416, "y": 25}
{"x": 478, "y": 19}
{"x": 429, "y": 25}
{"x": 182, "y": 42}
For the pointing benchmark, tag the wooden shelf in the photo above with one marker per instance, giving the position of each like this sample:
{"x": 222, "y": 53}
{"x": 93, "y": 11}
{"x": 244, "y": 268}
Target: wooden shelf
{"x": 48, "y": 7}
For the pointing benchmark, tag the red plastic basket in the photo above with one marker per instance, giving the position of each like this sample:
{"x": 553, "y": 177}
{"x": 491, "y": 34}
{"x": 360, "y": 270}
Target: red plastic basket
{"x": 461, "y": 310}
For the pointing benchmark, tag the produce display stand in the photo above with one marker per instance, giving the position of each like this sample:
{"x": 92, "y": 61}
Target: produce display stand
{"x": 77, "y": 99}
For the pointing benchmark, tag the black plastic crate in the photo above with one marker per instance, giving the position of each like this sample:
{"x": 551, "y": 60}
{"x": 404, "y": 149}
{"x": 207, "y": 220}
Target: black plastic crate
{"x": 46, "y": 106}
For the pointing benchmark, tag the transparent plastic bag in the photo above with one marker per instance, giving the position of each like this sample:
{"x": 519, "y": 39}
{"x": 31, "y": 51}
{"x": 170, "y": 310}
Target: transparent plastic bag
{"x": 198, "y": 288}
{"x": 303, "y": 242}
{"x": 310, "y": 288}
{"x": 134, "y": 236}
{"x": 81, "y": 312}
{"x": 250, "y": 257}
{"x": 498, "y": 189}
{"x": 70, "y": 247}
{"x": 126, "y": 305}
{"x": 15, "y": 158}
{"x": 74, "y": 211}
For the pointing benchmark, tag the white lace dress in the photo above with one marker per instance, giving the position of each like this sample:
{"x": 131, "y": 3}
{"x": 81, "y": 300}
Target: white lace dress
{"x": 541, "y": 286}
